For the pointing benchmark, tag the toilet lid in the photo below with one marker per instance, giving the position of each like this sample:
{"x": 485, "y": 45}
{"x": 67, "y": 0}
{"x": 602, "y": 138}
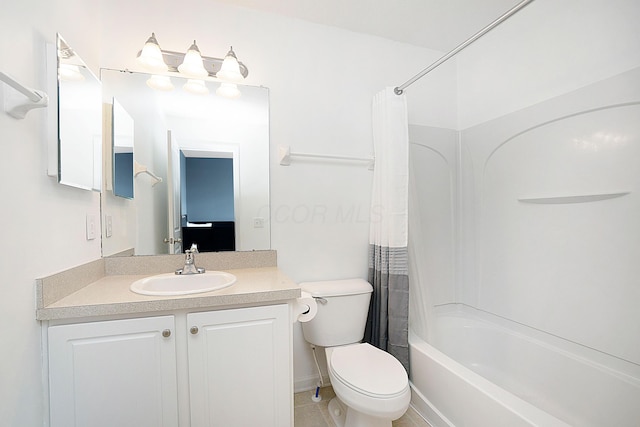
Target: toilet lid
{"x": 369, "y": 370}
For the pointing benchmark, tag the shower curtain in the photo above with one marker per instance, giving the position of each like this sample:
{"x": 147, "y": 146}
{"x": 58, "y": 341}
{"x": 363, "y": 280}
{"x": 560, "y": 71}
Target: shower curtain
{"x": 387, "y": 324}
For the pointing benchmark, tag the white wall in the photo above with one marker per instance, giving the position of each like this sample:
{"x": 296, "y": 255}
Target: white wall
{"x": 321, "y": 83}
{"x": 43, "y": 222}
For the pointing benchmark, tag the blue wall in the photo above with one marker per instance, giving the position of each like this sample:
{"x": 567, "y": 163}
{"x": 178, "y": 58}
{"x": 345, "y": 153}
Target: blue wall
{"x": 209, "y": 189}
{"x": 123, "y": 175}
{"x": 183, "y": 189}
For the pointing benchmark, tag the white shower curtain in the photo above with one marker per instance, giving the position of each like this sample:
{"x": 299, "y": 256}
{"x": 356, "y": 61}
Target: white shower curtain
{"x": 387, "y": 326}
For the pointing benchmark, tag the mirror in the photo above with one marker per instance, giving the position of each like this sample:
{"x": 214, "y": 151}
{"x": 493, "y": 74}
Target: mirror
{"x": 79, "y": 121}
{"x": 122, "y": 145}
{"x": 201, "y": 167}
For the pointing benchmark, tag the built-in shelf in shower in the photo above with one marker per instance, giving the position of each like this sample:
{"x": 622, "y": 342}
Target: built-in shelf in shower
{"x": 584, "y": 198}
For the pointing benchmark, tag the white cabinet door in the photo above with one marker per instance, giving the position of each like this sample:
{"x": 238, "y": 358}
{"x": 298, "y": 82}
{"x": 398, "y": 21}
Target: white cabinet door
{"x": 239, "y": 367}
{"x": 114, "y": 373}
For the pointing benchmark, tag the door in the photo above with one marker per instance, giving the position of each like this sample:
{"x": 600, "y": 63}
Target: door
{"x": 239, "y": 367}
{"x": 114, "y": 373}
{"x": 174, "y": 207}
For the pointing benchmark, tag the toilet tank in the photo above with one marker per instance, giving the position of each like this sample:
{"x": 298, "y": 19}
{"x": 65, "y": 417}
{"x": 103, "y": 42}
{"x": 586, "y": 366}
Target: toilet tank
{"x": 343, "y": 306}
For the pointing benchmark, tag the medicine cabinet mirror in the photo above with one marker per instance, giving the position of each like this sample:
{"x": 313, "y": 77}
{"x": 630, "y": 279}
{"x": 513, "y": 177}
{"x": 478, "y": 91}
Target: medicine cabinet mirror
{"x": 79, "y": 121}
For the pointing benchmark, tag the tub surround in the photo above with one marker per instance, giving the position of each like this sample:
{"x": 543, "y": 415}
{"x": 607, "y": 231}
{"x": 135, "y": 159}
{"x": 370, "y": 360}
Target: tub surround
{"x": 516, "y": 376}
{"x": 556, "y": 281}
{"x": 101, "y": 287}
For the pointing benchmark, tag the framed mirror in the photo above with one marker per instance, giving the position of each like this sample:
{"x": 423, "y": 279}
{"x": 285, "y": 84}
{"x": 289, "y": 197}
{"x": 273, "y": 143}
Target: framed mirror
{"x": 201, "y": 167}
{"x": 79, "y": 121}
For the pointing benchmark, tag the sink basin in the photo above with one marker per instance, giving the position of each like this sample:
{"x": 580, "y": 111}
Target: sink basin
{"x": 176, "y": 284}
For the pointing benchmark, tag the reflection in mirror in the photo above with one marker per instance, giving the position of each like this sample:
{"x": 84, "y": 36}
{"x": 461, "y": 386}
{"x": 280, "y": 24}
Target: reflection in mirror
{"x": 122, "y": 128}
{"x": 210, "y": 181}
{"x": 215, "y": 182}
{"x": 79, "y": 121}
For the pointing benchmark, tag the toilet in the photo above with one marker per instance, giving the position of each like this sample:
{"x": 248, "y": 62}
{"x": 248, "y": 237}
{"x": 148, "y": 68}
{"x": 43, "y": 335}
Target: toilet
{"x": 371, "y": 386}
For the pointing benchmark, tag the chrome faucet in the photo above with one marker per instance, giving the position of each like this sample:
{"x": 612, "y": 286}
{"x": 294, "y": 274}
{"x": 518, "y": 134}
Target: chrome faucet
{"x": 189, "y": 262}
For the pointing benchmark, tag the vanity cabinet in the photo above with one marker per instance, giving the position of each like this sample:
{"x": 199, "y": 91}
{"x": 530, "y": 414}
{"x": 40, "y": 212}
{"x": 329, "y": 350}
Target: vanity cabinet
{"x": 239, "y": 367}
{"x": 114, "y": 373}
{"x": 128, "y": 373}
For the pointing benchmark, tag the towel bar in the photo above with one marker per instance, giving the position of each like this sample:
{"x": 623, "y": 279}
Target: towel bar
{"x": 19, "y": 107}
{"x": 285, "y": 155}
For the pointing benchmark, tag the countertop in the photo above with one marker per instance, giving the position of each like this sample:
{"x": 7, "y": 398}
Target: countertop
{"x": 110, "y": 295}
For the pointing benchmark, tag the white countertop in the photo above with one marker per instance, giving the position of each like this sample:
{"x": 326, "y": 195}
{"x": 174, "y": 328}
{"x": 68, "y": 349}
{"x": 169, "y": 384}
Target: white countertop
{"x": 111, "y": 295}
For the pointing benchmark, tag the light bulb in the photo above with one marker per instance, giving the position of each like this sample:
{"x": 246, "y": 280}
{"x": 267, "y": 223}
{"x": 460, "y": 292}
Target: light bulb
{"x": 196, "y": 87}
{"x": 160, "y": 83}
{"x": 192, "y": 65}
{"x": 228, "y": 90}
{"x": 230, "y": 69}
{"x": 151, "y": 56}
{"x": 70, "y": 73}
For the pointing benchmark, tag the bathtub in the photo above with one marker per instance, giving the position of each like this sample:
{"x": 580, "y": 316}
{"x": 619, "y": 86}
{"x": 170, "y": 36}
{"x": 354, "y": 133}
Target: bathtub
{"x": 482, "y": 370}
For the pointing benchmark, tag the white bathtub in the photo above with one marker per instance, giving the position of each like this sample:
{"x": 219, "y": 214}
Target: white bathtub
{"x": 487, "y": 371}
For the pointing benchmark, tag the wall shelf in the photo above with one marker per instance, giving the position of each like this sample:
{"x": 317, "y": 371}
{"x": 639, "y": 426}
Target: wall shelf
{"x": 585, "y": 198}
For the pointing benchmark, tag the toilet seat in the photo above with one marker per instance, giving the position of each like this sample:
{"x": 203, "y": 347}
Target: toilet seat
{"x": 369, "y": 371}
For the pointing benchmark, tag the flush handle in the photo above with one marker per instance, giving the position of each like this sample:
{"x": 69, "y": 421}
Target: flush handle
{"x": 320, "y": 300}
{"x": 166, "y": 333}
{"x": 193, "y": 330}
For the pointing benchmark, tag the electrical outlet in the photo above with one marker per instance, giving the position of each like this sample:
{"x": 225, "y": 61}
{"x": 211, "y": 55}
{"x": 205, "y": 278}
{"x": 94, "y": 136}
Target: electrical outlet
{"x": 258, "y": 222}
{"x": 91, "y": 227}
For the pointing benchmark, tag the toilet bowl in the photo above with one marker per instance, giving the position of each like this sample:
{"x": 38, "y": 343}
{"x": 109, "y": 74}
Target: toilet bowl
{"x": 372, "y": 384}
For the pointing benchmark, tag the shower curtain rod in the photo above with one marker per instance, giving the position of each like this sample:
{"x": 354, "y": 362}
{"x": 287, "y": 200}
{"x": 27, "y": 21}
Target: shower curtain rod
{"x": 400, "y": 89}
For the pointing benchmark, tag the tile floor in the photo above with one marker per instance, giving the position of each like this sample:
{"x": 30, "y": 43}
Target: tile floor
{"x": 311, "y": 414}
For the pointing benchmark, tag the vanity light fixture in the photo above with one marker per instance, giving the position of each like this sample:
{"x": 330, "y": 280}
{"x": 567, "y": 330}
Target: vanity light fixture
{"x": 193, "y": 66}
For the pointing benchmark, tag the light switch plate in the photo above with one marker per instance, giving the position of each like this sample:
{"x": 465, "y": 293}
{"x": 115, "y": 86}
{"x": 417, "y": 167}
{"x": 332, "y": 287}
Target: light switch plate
{"x": 109, "y": 225}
